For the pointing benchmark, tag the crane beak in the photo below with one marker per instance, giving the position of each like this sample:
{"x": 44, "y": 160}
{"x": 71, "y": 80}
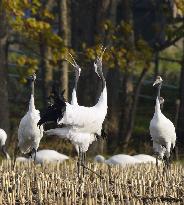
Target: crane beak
{"x": 5, "y": 152}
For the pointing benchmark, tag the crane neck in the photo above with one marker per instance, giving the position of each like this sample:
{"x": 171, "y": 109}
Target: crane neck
{"x": 157, "y": 106}
{"x": 159, "y": 88}
{"x": 31, "y": 102}
{"x": 32, "y": 87}
{"x": 103, "y": 79}
{"x": 76, "y": 80}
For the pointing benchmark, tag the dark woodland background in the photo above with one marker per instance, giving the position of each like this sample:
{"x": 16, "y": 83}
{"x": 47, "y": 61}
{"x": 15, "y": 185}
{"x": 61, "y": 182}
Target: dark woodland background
{"x": 144, "y": 38}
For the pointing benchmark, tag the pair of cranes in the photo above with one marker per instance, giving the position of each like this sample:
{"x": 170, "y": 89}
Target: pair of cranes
{"x": 82, "y": 124}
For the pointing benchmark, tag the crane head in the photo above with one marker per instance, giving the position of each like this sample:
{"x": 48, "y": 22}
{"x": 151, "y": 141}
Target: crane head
{"x": 75, "y": 65}
{"x": 98, "y": 62}
{"x": 158, "y": 81}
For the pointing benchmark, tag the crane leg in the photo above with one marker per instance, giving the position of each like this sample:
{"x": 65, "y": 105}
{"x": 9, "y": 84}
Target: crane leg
{"x": 157, "y": 162}
{"x": 84, "y": 162}
{"x": 15, "y": 155}
{"x": 78, "y": 163}
{"x": 166, "y": 164}
{"x": 34, "y": 151}
{"x": 157, "y": 165}
{"x": 87, "y": 168}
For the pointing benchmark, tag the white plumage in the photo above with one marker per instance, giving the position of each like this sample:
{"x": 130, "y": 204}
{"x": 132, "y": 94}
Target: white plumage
{"x": 144, "y": 158}
{"x": 80, "y": 118}
{"x": 83, "y": 122}
{"x": 49, "y": 156}
{"x": 78, "y": 139}
{"x": 86, "y": 119}
{"x": 43, "y": 156}
{"x": 29, "y": 134}
{"x": 3, "y": 138}
{"x": 162, "y": 132}
{"x": 121, "y": 159}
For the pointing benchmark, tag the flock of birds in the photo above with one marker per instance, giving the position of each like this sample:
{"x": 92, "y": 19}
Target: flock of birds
{"x": 83, "y": 125}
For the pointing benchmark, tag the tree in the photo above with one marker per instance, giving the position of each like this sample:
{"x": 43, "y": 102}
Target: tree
{"x": 4, "y": 108}
{"x": 64, "y": 33}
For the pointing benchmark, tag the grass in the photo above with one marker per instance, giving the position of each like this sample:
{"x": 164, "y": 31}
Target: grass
{"x": 59, "y": 184}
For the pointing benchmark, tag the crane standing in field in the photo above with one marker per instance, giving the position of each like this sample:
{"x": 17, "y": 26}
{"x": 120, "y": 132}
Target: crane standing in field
{"x": 162, "y": 130}
{"x": 3, "y": 138}
{"x": 29, "y": 134}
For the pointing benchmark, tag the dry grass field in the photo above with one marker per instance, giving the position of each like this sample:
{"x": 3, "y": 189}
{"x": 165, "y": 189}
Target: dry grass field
{"x": 59, "y": 184}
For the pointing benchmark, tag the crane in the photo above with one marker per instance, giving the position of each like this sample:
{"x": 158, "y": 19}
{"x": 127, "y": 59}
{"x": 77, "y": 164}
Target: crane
{"x": 162, "y": 130}
{"x": 29, "y": 134}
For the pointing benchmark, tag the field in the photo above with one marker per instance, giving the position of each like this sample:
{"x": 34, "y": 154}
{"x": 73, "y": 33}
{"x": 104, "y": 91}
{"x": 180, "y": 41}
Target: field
{"x": 59, "y": 184}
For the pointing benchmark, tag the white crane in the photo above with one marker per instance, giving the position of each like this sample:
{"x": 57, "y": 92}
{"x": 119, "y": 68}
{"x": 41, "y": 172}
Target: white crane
{"x": 162, "y": 130}
{"x": 48, "y": 155}
{"x": 3, "y": 138}
{"x": 144, "y": 158}
{"x": 29, "y": 134}
{"x": 121, "y": 159}
{"x": 80, "y": 118}
{"x": 45, "y": 156}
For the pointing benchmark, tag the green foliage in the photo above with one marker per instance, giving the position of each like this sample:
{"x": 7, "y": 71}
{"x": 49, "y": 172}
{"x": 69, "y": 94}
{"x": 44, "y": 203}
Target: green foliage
{"x": 33, "y": 22}
{"x": 179, "y": 6}
{"x": 26, "y": 66}
{"x": 122, "y": 51}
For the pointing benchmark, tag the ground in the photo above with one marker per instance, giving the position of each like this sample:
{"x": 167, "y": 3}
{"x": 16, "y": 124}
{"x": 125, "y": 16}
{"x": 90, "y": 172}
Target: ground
{"x": 59, "y": 184}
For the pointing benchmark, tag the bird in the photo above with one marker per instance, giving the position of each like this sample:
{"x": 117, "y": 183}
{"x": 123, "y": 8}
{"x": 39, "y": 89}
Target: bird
{"x": 47, "y": 156}
{"x": 29, "y": 134}
{"x": 119, "y": 159}
{"x": 80, "y": 118}
{"x": 144, "y": 158}
{"x": 77, "y": 68}
{"x": 162, "y": 130}
{"x": 3, "y": 138}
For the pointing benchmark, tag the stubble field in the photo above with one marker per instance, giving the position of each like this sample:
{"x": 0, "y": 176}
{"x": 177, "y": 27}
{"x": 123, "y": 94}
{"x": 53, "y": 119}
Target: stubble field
{"x": 59, "y": 184}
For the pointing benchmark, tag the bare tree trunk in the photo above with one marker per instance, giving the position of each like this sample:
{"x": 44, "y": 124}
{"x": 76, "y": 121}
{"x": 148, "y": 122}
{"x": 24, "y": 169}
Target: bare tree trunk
{"x": 131, "y": 119}
{"x": 64, "y": 32}
{"x": 46, "y": 70}
{"x": 4, "y": 108}
{"x": 127, "y": 85}
{"x": 180, "y": 123}
{"x": 156, "y": 70}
